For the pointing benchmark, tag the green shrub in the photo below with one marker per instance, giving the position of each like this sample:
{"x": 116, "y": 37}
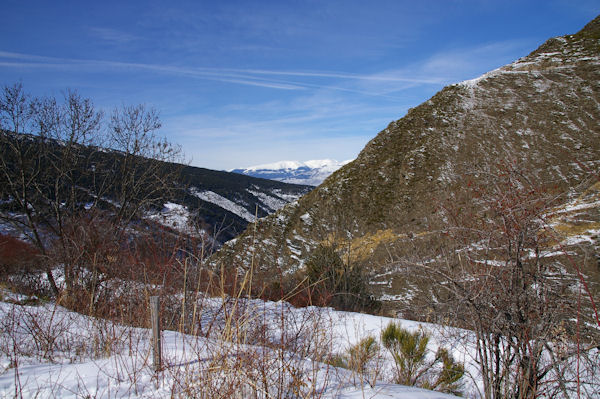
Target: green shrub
{"x": 360, "y": 355}
{"x": 409, "y": 351}
{"x": 448, "y": 379}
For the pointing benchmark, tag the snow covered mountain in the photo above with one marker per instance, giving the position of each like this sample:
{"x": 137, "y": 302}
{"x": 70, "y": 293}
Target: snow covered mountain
{"x": 311, "y": 173}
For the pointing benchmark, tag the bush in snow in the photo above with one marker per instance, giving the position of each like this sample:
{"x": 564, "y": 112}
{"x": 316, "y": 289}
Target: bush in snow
{"x": 412, "y": 367}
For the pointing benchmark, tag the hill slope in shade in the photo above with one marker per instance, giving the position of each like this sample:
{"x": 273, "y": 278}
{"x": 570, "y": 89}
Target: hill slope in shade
{"x": 230, "y": 201}
{"x": 310, "y": 172}
{"x": 541, "y": 112}
{"x": 220, "y": 204}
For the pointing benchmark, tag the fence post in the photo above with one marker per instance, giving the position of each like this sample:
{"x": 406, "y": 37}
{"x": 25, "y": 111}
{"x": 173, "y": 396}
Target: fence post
{"x": 155, "y": 321}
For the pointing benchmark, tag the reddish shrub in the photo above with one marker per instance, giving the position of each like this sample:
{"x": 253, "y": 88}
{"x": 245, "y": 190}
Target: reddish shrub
{"x": 16, "y": 256}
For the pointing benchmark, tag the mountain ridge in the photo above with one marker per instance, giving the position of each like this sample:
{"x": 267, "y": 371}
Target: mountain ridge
{"x": 311, "y": 172}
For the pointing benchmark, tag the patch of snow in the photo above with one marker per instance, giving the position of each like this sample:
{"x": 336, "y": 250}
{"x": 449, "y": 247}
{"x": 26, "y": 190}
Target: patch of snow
{"x": 224, "y": 203}
{"x": 293, "y": 249}
{"x": 273, "y": 203}
{"x": 286, "y": 196}
{"x": 577, "y": 207}
{"x": 388, "y": 297}
{"x": 472, "y": 83}
{"x": 306, "y": 219}
{"x": 552, "y": 254}
{"x": 172, "y": 215}
{"x": 491, "y": 262}
{"x": 582, "y": 238}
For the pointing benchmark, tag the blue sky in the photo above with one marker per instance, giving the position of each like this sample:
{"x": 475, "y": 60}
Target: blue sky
{"x": 240, "y": 83}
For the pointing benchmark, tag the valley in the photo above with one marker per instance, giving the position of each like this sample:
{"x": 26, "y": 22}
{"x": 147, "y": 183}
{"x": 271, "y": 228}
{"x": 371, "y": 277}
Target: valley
{"x": 458, "y": 254}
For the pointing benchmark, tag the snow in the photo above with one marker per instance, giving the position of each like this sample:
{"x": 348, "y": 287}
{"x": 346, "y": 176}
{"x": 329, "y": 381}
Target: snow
{"x": 96, "y": 358}
{"x": 224, "y": 203}
{"x": 100, "y": 359}
{"x": 273, "y": 203}
{"x": 173, "y": 215}
{"x": 286, "y": 196}
{"x": 472, "y": 83}
{"x": 577, "y": 207}
{"x": 295, "y": 172}
{"x": 306, "y": 218}
{"x": 519, "y": 66}
{"x": 582, "y": 238}
{"x": 388, "y": 297}
{"x": 391, "y": 391}
{"x": 328, "y": 164}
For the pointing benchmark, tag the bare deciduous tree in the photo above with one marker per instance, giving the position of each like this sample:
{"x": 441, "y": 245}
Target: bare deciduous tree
{"x": 142, "y": 181}
{"x": 54, "y": 168}
{"x": 42, "y": 163}
{"x": 496, "y": 278}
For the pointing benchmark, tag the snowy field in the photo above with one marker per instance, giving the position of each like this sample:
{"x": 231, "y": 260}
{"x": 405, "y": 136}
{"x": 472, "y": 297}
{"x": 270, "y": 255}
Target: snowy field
{"x": 241, "y": 349}
{"x": 50, "y": 352}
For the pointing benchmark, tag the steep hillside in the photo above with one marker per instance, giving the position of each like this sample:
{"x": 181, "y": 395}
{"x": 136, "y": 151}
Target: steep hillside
{"x": 540, "y": 113}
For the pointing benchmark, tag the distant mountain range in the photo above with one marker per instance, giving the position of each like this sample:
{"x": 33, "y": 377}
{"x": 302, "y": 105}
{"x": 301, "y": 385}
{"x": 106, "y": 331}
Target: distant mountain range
{"x": 310, "y": 173}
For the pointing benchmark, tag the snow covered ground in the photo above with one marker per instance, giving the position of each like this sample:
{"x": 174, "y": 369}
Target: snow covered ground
{"x": 243, "y": 349}
{"x": 174, "y": 216}
{"x": 224, "y": 203}
{"x": 50, "y": 352}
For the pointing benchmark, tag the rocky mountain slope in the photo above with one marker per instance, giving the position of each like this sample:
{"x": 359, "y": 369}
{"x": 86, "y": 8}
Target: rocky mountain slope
{"x": 310, "y": 172}
{"x": 540, "y": 113}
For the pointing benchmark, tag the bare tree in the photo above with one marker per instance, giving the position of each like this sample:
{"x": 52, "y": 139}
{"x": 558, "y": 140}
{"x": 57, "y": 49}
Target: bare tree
{"x": 141, "y": 181}
{"x": 494, "y": 277}
{"x": 42, "y": 162}
{"x": 54, "y": 169}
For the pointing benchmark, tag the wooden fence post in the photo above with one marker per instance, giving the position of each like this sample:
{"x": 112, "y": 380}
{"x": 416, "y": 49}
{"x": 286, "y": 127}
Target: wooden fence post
{"x": 155, "y": 321}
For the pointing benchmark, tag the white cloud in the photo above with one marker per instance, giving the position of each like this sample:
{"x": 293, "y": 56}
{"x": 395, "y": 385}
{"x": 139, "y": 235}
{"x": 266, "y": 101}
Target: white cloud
{"x": 249, "y": 77}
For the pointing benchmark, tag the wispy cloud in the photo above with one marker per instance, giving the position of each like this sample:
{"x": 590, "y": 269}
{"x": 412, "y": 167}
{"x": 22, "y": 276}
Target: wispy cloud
{"x": 21, "y": 56}
{"x": 35, "y": 61}
{"x": 347, "y": 122}
{"x": 441, "y": 68}
{"x": 310, "y": 114}
{"x": 252, "y": 77}
{"x": 271, "y": 85}
{"x": 338, "y": 75}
